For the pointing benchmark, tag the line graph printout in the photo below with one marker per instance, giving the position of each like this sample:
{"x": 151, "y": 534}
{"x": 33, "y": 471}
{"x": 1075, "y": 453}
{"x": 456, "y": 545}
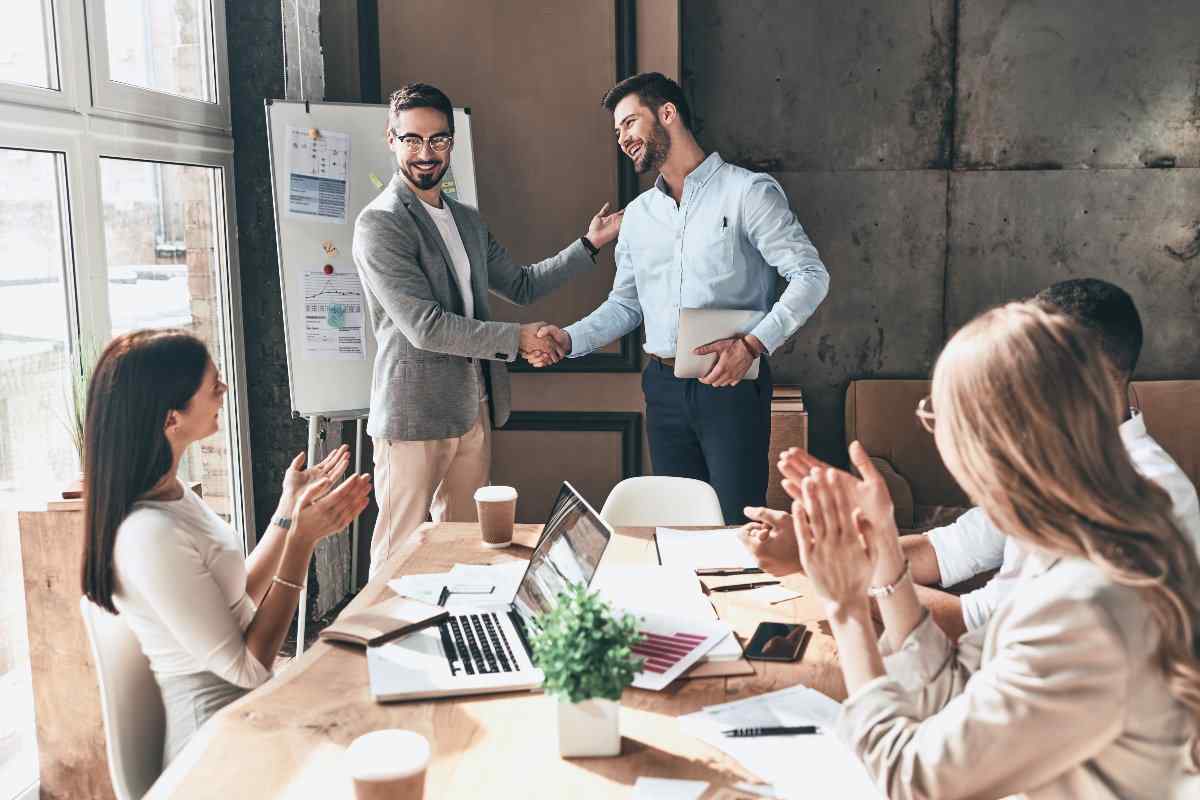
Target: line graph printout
{"x": 333, "y": 317}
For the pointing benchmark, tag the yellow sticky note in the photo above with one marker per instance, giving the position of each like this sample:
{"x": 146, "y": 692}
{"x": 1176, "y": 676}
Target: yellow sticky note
{"x": 375, "y": 180}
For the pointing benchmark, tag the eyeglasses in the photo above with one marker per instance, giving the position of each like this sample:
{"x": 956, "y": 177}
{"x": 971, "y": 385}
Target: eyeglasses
{"x": 925, "y": 413}
{"x": 438, "y": 143}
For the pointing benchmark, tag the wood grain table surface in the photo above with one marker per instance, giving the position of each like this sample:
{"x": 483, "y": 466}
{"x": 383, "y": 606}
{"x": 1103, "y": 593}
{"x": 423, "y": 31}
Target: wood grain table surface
{"x": 286, "y": 738}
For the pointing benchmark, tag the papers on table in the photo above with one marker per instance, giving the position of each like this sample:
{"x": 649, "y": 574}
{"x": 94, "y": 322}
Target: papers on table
{"x": 469, "y": 578}
{"x": 670, "y": 646}
{"x": 806, "y": 765}
{"x": 702, "y": 549}
{"x": 674, "y": 591}
{"x": 668, "y": 789}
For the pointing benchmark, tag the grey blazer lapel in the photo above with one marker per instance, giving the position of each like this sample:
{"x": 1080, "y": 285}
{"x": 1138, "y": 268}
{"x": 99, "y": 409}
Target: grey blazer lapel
{"x": 427, "y": 226}
{"x": 469, "y": 230}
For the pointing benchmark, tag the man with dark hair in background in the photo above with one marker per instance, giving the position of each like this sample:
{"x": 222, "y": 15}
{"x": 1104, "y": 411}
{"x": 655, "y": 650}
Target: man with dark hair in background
{"x": 707, "y": 235}
{"x": 440, "y": 384}
{"x": 972, "y": 545}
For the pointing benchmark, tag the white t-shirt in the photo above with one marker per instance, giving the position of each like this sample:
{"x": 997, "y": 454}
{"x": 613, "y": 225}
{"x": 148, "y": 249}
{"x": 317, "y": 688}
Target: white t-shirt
{"x": 972, "y": 544}
{"x": 443, "y": 218}
{"x": 181, "y": 588}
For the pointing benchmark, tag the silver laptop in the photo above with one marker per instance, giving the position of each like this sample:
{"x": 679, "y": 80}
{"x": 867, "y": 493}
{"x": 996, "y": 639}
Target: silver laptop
{"x": 701, "y": 326}
{"x": 486, "y": 648}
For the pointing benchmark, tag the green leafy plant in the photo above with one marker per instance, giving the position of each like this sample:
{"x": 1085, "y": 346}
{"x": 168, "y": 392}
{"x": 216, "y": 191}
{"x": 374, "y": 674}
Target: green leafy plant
{"x": 585, "y": 649}
{"x": 75, "y": 389}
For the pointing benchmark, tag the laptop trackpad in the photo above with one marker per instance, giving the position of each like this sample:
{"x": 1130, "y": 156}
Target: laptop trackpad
{"x": 420, "y": 651}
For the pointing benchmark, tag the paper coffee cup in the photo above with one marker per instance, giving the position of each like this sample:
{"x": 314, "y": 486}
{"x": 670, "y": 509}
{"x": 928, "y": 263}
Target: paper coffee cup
{"x": 388, "y": 764}
{"x": 497, "y": 507}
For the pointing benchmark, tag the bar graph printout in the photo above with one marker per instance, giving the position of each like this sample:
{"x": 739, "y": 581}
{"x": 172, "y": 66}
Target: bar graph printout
{"x": 671, "y": 645}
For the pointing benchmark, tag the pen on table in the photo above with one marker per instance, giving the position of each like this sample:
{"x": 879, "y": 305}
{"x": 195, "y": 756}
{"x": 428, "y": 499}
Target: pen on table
{"x": 734, "y": 587}
{"x": 724, "y": 571}
{"x": 778, "y": 730}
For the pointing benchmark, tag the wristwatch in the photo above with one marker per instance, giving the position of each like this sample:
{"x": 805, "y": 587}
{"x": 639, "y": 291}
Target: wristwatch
{"x": 283, "y": 522}
{"x": 591, "y": 248}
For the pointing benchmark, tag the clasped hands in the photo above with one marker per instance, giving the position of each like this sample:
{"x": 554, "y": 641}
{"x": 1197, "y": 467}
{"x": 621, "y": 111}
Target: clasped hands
{"x": 841, "y": 531}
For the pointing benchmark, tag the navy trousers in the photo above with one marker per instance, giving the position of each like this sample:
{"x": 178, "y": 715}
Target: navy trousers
{"x": 719, "y": 436}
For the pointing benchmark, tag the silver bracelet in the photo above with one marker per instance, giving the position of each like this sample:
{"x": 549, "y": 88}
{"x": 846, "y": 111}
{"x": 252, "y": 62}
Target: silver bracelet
{"x": 283, "y": 522}
{"x": 287, "y": 583}
{"x": 889, "y": 589}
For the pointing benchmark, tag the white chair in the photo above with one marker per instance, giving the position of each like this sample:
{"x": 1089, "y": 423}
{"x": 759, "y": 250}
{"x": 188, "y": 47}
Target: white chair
{"x": 662, "y": 500}
{"x": 130, "y": 703}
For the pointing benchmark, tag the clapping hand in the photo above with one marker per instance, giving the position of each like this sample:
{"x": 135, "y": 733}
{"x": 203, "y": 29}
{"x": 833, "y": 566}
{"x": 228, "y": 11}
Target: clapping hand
{"x": 297, "y": 478}
{"x": 832, "y": 533}
{"x": 323, "y": 510}
{"x": 771, "y": 538}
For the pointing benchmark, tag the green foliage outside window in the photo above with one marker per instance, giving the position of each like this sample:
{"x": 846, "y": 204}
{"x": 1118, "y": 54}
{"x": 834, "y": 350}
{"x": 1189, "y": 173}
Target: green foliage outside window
{"x": 585, "y": 649}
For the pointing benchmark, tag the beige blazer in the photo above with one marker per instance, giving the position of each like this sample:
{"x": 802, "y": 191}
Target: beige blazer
{"x": 1058, "y": 697}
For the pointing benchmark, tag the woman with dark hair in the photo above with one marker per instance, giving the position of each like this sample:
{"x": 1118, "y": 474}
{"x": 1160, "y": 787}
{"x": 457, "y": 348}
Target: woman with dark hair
{"x": 209, "y": 620}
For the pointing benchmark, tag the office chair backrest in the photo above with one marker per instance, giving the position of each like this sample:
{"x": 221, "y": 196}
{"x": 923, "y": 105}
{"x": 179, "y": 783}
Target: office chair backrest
{"x": 130, "y": 703}
{"x": 662, "y": 500}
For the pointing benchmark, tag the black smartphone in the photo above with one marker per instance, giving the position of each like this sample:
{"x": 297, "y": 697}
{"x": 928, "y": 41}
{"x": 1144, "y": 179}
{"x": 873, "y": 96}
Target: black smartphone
{"x": 777, "y": 641}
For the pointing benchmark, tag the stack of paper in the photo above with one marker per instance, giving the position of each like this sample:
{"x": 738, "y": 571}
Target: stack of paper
{"x": 694, "y": 550}
{"x": 473, "y": 579}
{"x": 799, "y": 766}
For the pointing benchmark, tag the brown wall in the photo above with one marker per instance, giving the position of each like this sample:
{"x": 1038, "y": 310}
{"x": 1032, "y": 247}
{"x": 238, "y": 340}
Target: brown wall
{"x": 532, "y": 74}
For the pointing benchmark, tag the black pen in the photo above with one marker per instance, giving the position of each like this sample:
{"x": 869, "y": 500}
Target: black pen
{"x": 723, "y": 571}
{"x": 778, "y": 730}
{"x": 734, "y": 587}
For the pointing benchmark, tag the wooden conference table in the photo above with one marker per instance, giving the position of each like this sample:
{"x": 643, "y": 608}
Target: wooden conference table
{"x": 286, "y": 738}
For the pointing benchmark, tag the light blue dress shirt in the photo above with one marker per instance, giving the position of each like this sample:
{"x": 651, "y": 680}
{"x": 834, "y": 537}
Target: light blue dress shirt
{"x": 720, "y": 247}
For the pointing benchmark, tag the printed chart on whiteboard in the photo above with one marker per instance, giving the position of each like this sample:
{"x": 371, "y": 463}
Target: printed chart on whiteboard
{"x": 318, "y": 170}
{"x": 333, "y": 317}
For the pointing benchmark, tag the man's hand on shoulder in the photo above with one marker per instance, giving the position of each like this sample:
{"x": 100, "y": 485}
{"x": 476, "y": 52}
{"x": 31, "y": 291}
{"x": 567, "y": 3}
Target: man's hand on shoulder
{"x": 543, "y": 344}
{"x": 734, "y": 357}
{"x": 604, "y": 227}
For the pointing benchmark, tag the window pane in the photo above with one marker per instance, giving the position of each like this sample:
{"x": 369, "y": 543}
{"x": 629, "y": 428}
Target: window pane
{"x": 37, "y": 458}
{"x": 163, "y": 45}
{"x": 27, "y": 53}
{"x": 164, "y": 237}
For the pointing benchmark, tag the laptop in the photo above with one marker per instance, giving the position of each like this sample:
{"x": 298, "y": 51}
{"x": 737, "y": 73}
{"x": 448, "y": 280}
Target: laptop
{"x": 701, "y": 326}
{"x": 485, "y": 649}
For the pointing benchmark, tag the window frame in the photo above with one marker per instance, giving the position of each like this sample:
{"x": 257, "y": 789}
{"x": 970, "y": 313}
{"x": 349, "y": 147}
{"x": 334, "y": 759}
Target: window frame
{"x": 122, "y": 100}
{"x": 53, "y": 121}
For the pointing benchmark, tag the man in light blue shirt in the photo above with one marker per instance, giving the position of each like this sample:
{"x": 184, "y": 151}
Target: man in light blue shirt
{"x": 707, "y": 235}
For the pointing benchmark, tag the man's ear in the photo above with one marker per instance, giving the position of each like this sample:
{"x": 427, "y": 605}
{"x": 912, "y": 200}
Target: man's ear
{"x": 667, "y": 113}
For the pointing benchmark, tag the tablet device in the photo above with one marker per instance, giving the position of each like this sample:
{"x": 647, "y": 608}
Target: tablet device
{"x": 701, "y": 326}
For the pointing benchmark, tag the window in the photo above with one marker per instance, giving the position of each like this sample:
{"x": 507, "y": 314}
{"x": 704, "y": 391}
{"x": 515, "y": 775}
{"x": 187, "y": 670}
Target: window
{"x": 36, "y": 449}
{"x": 27, "y": 51}
{"x": 162, "y": 45}
{"x": 115, "y": 155}
{"x": 162, "y": 226}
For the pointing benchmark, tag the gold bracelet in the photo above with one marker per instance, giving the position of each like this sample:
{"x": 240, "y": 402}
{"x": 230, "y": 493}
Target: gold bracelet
{"x": 287, "y": 583}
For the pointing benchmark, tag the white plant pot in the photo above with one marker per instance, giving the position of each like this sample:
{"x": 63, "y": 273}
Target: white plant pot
{"x": 591, "y": 728}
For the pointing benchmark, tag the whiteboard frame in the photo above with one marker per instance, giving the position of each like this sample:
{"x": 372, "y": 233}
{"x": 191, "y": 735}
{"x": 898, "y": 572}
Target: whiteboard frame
{"x": 463, "y": 149}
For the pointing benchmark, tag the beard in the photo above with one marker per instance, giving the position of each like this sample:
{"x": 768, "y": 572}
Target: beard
{"x": 424, "y": 180}
{"x": 654, "y": 150}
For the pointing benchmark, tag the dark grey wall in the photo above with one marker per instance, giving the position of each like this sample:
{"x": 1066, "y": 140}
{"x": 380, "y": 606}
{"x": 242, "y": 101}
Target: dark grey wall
{"x": 947, "y": 156}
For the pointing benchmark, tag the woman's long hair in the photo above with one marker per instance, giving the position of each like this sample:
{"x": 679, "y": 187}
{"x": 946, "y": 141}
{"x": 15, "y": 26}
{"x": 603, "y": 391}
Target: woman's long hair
{"x": 139, "y": 378}
{"x": 1032, "y": 415}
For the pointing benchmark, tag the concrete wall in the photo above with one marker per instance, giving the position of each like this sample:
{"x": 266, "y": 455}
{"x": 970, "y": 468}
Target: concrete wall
{"x": 948, "y": 155}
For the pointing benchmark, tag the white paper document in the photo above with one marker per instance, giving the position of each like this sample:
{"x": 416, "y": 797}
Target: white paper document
{"x": 670, "y": 646}
{"x": 814, "y": 765}
{"x": 702, "y": 549}
{"x": 318, "y": 172}
{"x": 505, "y": 577}
{"x": 426, "y": 586}
{"x": 333, "y": 317}
{"x": 667, "y": 789}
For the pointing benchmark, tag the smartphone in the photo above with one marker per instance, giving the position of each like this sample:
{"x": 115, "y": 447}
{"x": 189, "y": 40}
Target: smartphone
{"x": 777, "y": 641}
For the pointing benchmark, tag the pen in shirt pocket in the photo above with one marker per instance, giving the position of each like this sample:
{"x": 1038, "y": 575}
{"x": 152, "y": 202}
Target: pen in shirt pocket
{"x": 724, "y": 225}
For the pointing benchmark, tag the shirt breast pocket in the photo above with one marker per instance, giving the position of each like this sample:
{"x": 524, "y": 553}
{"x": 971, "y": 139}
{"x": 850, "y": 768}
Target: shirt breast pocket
{"x": 714, "y": 251}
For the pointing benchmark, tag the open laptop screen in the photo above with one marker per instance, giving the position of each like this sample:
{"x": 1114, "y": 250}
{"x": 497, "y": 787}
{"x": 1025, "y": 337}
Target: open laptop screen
{"x": 568, "y": 553}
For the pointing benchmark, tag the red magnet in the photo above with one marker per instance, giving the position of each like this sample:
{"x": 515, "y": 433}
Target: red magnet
{"x": 329, "y": 269}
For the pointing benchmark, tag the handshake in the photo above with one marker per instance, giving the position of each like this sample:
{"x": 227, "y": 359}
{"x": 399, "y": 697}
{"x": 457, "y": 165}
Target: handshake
{"x": 543, "y": 345}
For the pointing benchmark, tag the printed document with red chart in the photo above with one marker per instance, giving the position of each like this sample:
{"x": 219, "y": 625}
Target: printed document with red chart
{"x": 671, "y": 645}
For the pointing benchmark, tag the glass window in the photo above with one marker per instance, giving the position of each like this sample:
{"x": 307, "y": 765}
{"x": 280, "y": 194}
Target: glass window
{"x": 162, "y": 45}
{"x": 164, "y": 235}
{"x": 27, "y": 50}
{"x": 36, "y": 453}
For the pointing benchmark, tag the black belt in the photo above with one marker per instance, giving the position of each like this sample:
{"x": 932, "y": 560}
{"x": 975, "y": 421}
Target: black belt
{"x": 666, "y": 362}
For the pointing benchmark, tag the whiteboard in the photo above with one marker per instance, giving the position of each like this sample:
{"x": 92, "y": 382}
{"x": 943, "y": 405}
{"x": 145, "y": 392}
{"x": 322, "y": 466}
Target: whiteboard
{"x": 325, "y": 383}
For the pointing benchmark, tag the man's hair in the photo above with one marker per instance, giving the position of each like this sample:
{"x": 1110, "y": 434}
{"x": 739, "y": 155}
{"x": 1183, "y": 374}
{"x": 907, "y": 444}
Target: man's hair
{"x": 1106, "y": 310}
{"x": 653, "y": 89}
{"x": 420, "y": 95}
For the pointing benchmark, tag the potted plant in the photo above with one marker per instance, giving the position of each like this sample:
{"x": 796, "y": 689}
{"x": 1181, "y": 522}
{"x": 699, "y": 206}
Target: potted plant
{"x": 74, "y": 413}
{"x": 585, "y": 651}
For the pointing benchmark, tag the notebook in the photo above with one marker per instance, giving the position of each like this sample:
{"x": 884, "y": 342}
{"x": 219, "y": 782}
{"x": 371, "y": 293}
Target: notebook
{"x": 384, "y": 621}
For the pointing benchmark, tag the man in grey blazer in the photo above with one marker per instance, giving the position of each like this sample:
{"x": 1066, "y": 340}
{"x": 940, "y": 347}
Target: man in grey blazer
{"x": 440, "y": 384}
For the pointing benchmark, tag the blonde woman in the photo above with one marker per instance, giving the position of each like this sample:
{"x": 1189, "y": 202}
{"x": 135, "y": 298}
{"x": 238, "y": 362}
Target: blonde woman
{"x": 1086, "y": 681}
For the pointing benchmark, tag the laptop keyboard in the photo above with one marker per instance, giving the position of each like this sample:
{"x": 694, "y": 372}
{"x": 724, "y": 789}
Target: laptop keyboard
{"x": 475, "y": 644}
